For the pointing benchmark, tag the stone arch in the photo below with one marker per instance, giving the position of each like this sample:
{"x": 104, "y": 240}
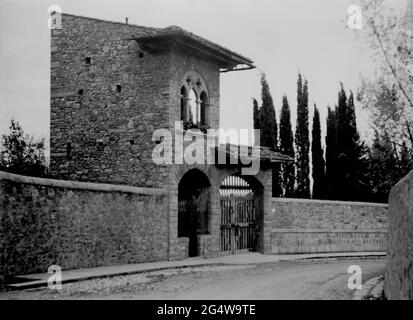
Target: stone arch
{"x": 184, "y": 168}
{"x": 241, "y": 213}
{"x": 194, "y": 216}
{"x": 194, "y": 80}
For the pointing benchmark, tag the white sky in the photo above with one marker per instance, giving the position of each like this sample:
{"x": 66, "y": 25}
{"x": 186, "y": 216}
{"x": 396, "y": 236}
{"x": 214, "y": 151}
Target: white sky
{"x": 281, "y": 37}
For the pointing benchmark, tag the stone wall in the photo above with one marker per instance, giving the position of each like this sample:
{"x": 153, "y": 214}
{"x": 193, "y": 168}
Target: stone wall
{"x": 309, "y": 226}
{"x": 78, "y": 225}
{"x": 399, "y": 266}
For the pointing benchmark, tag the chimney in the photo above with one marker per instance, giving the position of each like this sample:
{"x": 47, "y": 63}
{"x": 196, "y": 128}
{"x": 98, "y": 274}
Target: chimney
{"x": 126, "y": 20}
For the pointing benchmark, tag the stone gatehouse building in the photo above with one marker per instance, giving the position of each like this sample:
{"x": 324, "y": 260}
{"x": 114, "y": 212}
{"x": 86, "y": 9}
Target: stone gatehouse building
{"x": 114, "y": 84}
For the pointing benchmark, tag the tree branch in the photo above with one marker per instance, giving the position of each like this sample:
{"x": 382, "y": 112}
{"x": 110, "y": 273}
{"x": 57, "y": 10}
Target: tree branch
{"x": 393, "y": 70}
{"x": 409, "y": 131}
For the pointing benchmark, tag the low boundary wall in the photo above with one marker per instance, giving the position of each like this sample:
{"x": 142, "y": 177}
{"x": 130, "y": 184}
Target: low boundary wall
{"x": 78, "y": 225}
{"x": 311, "y": 226}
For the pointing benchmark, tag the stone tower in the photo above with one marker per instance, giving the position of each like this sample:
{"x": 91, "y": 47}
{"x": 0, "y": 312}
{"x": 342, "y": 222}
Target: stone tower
{"x": 113, "y": 84}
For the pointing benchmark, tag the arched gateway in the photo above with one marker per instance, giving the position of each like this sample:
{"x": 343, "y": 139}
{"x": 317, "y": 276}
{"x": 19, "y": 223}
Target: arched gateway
{"x": 241, "y": 208}
{"x": 193, "y": 208}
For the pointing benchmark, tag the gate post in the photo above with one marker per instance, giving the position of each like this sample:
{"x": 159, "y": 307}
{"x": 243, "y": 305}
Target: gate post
{"x": 264, "y": 245}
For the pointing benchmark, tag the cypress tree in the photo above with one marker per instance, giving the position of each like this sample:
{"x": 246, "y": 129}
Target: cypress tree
{"x": 317, "y": 158}
{"x": 302, "y": 140}
{"x": 267, "y": 118}
{"x": 266, "y": 121}
{"x": 331, "y": 154}
{"x": 256, "y": 115}
{"x": 348, "y": 147}
{"x": 287, "y": 147}
{"x": 352, "y": 123}
{"x": 256, "y": 119}
{"x": 342, "y": 123}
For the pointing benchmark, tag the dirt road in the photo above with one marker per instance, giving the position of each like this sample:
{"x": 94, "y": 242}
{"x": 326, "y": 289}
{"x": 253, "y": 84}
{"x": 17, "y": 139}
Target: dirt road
{"x": 326, "y": 279}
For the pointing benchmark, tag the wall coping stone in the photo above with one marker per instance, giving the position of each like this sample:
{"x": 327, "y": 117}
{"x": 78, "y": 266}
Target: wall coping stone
{"x": 284, "y": 230}
{"x": 330, "y": 202}
{"x": 80, "y": 185}
{"x": 197, "y": 133}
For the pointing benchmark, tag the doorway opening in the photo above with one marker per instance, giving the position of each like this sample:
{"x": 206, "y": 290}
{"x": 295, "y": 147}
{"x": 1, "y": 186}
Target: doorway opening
{"x": 193, "y": 208}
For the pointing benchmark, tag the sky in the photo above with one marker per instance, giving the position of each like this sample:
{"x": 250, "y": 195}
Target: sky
{"x": 281, "y": 37}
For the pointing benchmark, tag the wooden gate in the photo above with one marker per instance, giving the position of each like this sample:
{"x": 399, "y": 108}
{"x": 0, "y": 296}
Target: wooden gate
{"x": 238, "y": 215}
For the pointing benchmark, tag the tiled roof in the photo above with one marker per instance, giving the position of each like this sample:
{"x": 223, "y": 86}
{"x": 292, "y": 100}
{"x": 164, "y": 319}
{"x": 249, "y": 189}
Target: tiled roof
{"x": 145, "y": 34}
{"x": 266, "y": 154}
{"x": 176, "y": 31}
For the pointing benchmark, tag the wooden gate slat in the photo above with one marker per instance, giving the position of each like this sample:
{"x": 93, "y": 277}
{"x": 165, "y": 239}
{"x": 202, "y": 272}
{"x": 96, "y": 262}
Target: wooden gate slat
{"x": 237, "y": 216}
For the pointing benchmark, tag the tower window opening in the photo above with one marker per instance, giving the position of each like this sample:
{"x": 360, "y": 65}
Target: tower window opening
{"x": 193, "y": 107}
{"x": 68, "y": 149}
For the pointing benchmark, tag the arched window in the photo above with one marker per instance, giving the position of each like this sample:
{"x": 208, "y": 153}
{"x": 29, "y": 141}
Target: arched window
{"x": 184, "y": 98}
{"x": 204, "y": 105}
{"x": 194, "y": 102}
{"x": 193, "y": 107}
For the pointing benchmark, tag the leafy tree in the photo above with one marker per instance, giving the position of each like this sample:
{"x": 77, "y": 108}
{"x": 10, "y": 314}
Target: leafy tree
{"x": 302, "y": 140}
{"x": 22, "y": 154}
{"x": 389, "y": 114}
{"x": 287, "y": 147}
{"x": 318, "y": 162}
{"x": 383, "y": 168}
{"x": 388, "y": 98}
{"x": 388, "y": 33}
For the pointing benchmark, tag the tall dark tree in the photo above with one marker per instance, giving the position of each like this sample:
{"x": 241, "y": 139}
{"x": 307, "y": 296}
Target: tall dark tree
{"x": 265, "y": 120}
{"x": 256, "y": 120}
{"x": 256, "y": 114}
{"x": 348, "y": 146}
{"x": 383, "y": 168}
{"x": 318, "y": 162}
{"x": 331, "y": 154}
{"x": 287, "y": 147}
{"x": 302, "y": 141}
{"x": 267, "y": 117}
{"x": 405, "y": 159}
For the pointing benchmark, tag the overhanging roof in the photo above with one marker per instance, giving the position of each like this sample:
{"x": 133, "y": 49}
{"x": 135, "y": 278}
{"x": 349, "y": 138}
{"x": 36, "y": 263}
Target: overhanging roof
{"x": 232, "y": 151}
{"x": 227, "y": 60}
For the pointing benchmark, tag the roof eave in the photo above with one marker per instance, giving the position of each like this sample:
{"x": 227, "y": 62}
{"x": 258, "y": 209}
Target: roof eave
{"x": 228, "y": 60}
